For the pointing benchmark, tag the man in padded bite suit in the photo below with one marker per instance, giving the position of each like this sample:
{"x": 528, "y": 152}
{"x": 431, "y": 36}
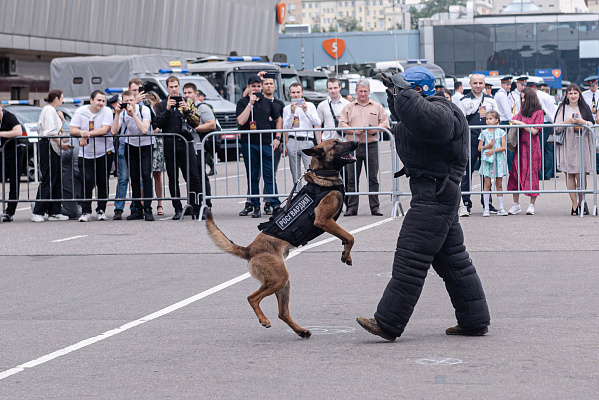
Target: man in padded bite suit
{"x": 431, "y": 139}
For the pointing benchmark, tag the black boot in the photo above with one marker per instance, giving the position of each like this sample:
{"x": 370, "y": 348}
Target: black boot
{"x": 247, "y": 210}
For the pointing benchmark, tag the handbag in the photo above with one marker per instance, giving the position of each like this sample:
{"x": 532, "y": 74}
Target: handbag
{"x": 556, "y": 138}
{"x": 512, "y": 139}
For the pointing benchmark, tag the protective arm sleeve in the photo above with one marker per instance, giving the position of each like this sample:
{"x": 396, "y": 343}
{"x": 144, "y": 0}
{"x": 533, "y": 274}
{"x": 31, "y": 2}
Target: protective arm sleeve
{"x": 429, "y": 120}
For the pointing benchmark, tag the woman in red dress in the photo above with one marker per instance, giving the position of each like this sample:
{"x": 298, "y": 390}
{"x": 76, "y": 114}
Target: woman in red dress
{"x": 526, "y": 166}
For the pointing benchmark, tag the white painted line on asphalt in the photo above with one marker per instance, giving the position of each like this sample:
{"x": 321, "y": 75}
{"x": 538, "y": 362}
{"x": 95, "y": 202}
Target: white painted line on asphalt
{"x": 160, "y": 313}
{"x": 69, "y": 238}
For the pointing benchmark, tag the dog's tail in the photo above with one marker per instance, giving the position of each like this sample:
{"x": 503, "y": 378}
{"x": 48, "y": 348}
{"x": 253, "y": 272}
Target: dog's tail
{"x": 223, "y": 242}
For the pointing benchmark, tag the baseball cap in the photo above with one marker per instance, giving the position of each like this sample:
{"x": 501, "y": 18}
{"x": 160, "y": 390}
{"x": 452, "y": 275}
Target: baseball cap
{"x": 420, "y": 76}
{"x": 254, "y": 78}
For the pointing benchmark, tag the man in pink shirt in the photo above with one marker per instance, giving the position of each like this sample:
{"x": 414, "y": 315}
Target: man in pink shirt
{"x": 363, "y": 112}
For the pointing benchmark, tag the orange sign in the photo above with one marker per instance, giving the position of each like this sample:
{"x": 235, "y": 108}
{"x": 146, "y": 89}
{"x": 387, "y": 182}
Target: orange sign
{"x": 334, "y": 47}
{"x": 556, "y": 72}
{"x": 281, "y": 9}
{"x": 494, "y": 73}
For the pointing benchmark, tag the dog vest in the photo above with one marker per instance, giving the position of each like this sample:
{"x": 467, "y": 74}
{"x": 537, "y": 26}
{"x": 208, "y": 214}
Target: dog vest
{"x": 296, "y": 225}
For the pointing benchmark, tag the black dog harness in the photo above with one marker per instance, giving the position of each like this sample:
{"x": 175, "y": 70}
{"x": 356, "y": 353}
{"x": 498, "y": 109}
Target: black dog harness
{"x": 295, "y": 223}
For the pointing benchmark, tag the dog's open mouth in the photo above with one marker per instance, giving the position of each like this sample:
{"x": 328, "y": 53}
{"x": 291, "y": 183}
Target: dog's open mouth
{"x": 348, "y": 157}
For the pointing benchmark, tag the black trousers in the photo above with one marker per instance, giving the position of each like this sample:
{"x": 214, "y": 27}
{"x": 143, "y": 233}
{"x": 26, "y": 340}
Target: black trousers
{"x": 206, "y": 178}
{"x": 431, "y": 234}
{"x": 139, "y": 162}
{"x": 176, "y": 155}
{"x": 95, "y": 175}
{"x": 13, "y": 159}
{"x": 51, "y": 185}
{"x": 353, "y": 176}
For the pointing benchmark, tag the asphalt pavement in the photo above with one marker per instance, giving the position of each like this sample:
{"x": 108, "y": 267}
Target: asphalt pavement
{"x": 135, "y": 309}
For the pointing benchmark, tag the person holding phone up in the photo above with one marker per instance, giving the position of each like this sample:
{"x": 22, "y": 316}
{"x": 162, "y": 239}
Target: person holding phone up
{"x": 297, "y": 116}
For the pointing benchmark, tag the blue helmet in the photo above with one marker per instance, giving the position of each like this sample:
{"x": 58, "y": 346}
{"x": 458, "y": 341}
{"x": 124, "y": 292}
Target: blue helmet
{"x": 420, "y": 76}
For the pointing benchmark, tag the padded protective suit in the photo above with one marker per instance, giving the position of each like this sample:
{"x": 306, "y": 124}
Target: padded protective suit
{"x": 431, "y": 138}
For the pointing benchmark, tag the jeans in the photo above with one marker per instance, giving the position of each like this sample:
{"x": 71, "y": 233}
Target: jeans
{"x": 252, "y": 161}
{"x": 95, "y": 174}
{"x": 121, "y": 190}
{"x": 206, "y": 178}
{"x": 51, "y": 184}
{"x": 139, "y": 161}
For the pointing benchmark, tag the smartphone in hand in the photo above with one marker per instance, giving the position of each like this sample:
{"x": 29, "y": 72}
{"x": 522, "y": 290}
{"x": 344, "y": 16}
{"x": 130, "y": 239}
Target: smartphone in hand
{"x": 298, "y": 102}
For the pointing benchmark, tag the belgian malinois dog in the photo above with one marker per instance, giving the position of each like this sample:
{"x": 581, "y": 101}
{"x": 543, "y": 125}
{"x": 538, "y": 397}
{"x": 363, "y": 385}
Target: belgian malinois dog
{"x": 266, "y": 254}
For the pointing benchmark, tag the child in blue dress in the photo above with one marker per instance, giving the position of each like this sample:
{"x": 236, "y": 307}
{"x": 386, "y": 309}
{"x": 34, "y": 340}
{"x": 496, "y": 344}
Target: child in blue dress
{"x": 492, "y": 145}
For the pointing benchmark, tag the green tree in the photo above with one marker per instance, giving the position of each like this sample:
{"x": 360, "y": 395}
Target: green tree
{"x": 349, "y": 24}
{"x": 332, "y": 28}
{"x": 316, "y": 29}
{"x": 432, "y": 7}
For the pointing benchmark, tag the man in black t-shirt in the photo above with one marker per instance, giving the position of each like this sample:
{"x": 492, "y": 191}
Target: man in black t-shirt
{"x": 254, "y": 112}
{"x": 13, "y": 154}
{"x": 268, "y": 86}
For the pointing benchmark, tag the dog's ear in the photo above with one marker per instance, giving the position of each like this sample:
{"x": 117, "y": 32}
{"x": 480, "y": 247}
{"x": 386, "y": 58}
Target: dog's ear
{"x": 313, "y": 152}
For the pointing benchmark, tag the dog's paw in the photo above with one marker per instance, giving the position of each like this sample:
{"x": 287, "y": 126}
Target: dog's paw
{"x": 346, "y": 259}
{"x": 305, "y": 334}
{"x": 265, "y": 323}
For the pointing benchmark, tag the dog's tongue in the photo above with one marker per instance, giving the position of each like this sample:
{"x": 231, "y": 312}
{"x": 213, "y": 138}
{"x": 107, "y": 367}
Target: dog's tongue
{"x": 348, "y": 156}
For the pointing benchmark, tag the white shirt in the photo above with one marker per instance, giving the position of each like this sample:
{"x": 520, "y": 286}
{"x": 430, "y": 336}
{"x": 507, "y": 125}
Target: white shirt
{"x": 97, "y": 146}
{"x": 307, "y": 119}
{"x": 457, "y": 96}
{"x": 548, "y": 105}
{"x": 516, "y": 98}
{"x": 504, "y": 105}
{"x": 587, "y": 95}
{"x": 324, "y": 113}
{"x": 49, "y": 123}
{"x": 132, "y": 128}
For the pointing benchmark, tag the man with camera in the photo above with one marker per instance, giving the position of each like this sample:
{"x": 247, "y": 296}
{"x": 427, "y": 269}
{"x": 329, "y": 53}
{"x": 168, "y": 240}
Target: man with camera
{"x": 135, "y": 87}
{"x": 177, "y": 115}
{"x": 256, "y": 113}
{"x": 297, "y": 116}
{"x": 136, "y": 119}
{"x": 207, "y": 125}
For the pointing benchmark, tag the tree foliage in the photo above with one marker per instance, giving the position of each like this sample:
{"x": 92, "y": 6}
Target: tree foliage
{"x": 349, "y": 24}
{"x": 432, "y": 7}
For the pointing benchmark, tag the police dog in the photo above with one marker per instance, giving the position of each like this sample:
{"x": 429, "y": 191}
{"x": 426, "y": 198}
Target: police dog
{"x": 266, "y": 253}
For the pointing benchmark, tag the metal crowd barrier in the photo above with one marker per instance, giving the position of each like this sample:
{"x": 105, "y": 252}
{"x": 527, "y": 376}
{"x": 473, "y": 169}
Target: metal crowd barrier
{"x": 579, "y": 143}
{"x": 236, "y": 175}
{"x": 73, "y": 172}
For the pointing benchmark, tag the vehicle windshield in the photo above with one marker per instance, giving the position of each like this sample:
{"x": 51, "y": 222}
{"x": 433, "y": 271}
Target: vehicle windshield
{"x": 380, "y": 97}
{"x": 287, "y": 80}
{"x": 26, "y": 115}
{"x": 203, "y": 85}
{"x": 241, "y": 79}
{"x": 320, "y": 85}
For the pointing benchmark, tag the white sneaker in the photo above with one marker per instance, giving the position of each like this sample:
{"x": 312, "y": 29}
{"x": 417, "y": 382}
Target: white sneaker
{"x": 486, "y": 213}
{"x": 102, "y": 216}
{"x": 463, "y": 211}
{"x": 37, "y": 218}
{"x": 58, "y": 217}
{"x": 85, "y": 217}
{"x": 515, "y": 209}
{"x": 502, "y": 213}
{"x": 530, "y": 210}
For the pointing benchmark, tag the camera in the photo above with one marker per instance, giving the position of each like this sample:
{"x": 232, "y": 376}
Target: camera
{"x": 177, "y": 99}
{"x": 124, "y": 106}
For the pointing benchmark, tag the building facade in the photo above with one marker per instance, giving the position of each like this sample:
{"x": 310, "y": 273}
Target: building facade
{"x": 514, "y": 44}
